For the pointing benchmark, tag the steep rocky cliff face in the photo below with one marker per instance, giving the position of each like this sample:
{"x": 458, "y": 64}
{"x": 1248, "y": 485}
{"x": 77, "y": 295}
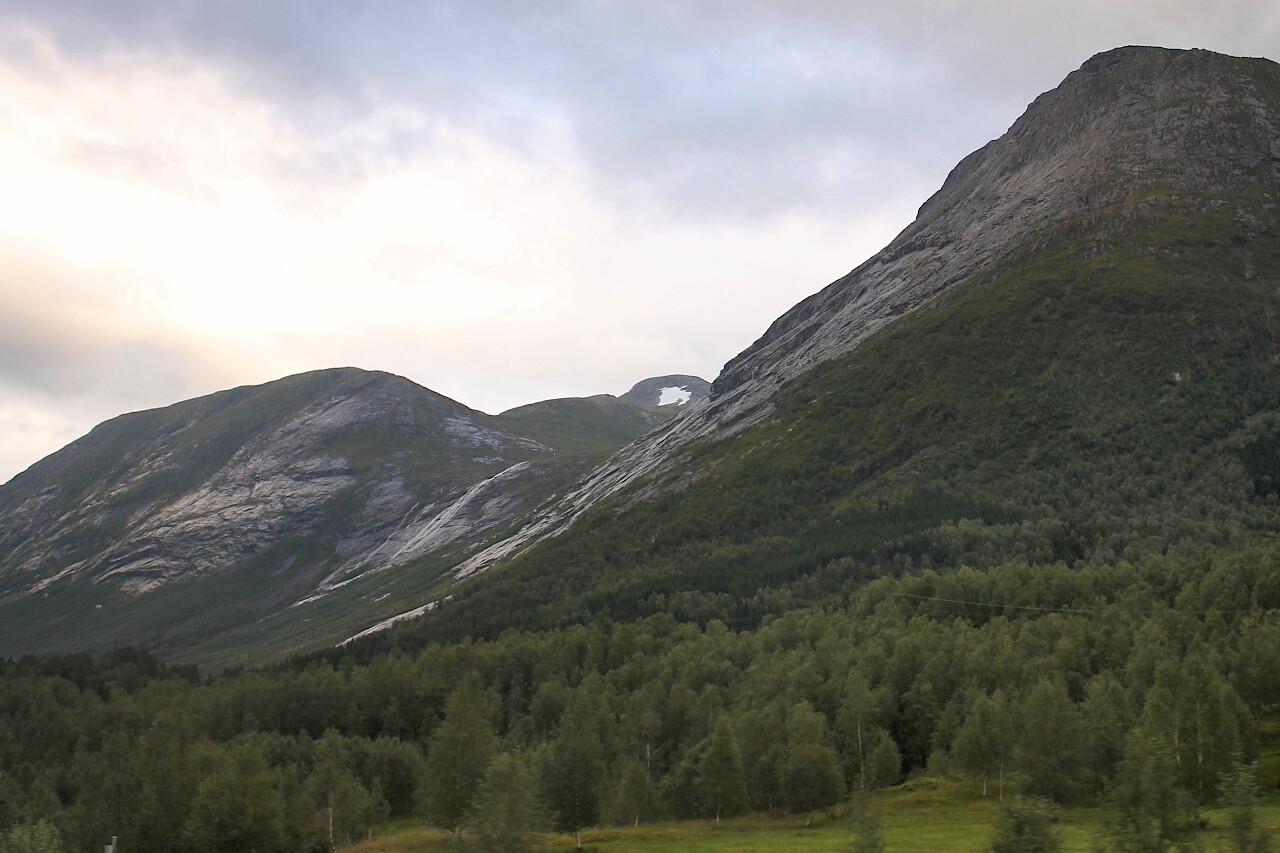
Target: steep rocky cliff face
{"x": 1135, "y": 119}
{"x": 314, "y": 482}
{"x": 1132, "y": 122}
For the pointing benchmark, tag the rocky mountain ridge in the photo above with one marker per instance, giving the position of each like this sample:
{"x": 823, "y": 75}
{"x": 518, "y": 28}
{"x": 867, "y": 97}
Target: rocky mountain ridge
{"x": 272, "y": 485}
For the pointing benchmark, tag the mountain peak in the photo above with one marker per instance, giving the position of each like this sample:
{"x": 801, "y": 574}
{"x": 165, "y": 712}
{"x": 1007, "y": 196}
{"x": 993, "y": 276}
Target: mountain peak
{"x": 1131, "y": 120}
{"x": 675, "y": 390}
{"x": 1135, "y": 127}
{"x": 1071, "y": 347}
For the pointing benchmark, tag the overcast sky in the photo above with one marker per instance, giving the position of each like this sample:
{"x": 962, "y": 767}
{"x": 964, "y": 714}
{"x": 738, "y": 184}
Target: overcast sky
{"x": 503, "y": 200}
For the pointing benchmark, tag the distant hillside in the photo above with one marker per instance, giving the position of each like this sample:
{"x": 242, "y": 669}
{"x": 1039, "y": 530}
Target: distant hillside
{"x": 1071, "y": 357}
{"x": 184, "y": 528}
{"x": 674, "y": 390}
{"x": 593, "y": 426}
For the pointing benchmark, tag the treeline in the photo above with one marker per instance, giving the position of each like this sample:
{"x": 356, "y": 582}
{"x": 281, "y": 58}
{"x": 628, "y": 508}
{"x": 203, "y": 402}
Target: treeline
{"x": 1076, "y": 685}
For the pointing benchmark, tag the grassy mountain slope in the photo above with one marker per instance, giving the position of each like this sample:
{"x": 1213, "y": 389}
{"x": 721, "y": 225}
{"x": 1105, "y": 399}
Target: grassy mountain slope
{"x": 1108, "y": 392}
{"x": 592, "y": 427}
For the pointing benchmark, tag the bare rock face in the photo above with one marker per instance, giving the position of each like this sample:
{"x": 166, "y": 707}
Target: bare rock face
{"x": 168, "y": 507}
{"x": 424, "y": 530}
{"x": 1130, "y": 121}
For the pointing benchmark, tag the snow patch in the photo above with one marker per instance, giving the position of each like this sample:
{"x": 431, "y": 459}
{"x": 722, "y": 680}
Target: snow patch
{"x": 674, "y": 395}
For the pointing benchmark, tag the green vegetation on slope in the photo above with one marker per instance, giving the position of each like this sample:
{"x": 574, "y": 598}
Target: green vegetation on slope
{"x": 591, "y": 426}
{"x": 1108, "y": 394}
{"x": 1084, "y": 685}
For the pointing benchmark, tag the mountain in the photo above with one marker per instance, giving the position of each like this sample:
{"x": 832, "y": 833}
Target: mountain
{"x": 1069, "y": 357}
{"x": 663, "y": 391}
{"x": 1026, "y": 495}
{"x": 183, "y": 528}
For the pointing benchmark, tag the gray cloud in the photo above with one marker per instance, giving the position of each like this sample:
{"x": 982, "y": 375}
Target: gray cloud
{"x": 671, "y": 100}
{"x": 712, "y": 108}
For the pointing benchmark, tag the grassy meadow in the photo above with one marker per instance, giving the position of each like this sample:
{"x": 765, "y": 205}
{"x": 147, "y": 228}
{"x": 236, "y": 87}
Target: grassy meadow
{"x": 922, "y": 816}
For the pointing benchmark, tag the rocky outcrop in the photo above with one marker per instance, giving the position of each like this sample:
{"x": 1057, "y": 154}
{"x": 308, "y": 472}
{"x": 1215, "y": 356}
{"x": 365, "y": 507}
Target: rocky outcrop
{"x": 489, "y": 504}
{"x": 158, "y": 517}
{"x": 1130, "y": 120}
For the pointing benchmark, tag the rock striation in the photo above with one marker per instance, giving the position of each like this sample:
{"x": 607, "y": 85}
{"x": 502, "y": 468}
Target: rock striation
{"x": 304, "y": 486}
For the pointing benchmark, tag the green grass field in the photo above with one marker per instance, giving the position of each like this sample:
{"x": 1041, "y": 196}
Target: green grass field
{"x": 924, "y": 816}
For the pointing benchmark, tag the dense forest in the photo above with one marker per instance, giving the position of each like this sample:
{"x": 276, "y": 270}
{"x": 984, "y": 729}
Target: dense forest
{"x": 1139, "y": 687}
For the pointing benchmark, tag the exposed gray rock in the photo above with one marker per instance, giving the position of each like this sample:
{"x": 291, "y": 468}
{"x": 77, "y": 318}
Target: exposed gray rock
{"x": 280, "y": 481}
{"x": 488, "y": 504}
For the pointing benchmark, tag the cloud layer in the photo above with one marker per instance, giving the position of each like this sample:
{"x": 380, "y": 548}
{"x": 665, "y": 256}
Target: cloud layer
{"x": 505, "y": 200}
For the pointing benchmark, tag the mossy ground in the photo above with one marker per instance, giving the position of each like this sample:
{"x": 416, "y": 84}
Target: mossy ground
{"x": 923, "y": 815}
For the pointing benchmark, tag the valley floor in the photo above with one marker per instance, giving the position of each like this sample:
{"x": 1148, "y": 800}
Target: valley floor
{"x": 922, "y": 816}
